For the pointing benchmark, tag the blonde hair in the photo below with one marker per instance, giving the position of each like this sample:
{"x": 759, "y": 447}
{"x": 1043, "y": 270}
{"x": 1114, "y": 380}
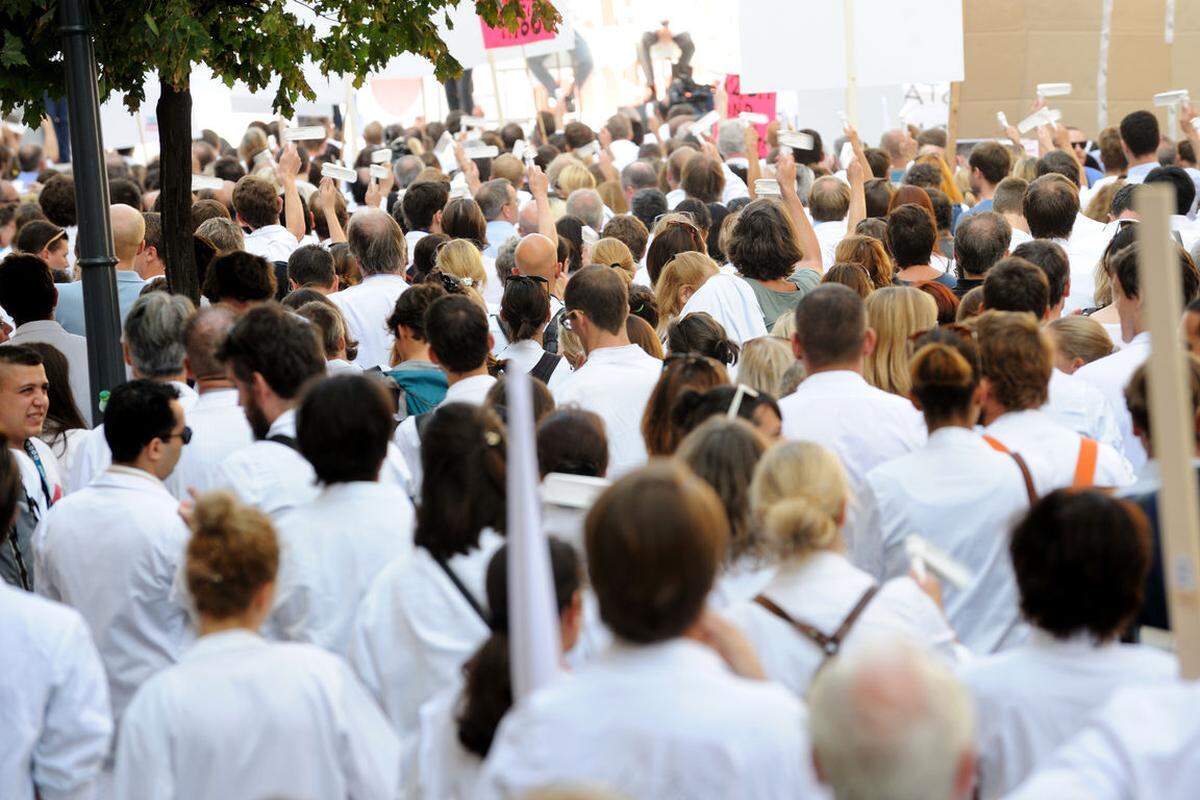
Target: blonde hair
{"x": 686, "y": 270}
{"x": 784, "y": 327}
{"x": 254, "y": 141}
{"x": 613, "y": 197}
{"x": 461, "y": 258}
{"x": 1101, "y": 202}
{"x": 558, "y": 164}
{"x": 896, "y": 313}
{"x": 574, "y": 176}
{"x": 232, "y": 554}
{"x": 610, "y": 252}
{"x": 1080, "y": 337}
{"x": 870, "y": 254}
{"x": 763, "y": 362}
{"x": 798, "y": 493}
{"x": 1024, "y": 168}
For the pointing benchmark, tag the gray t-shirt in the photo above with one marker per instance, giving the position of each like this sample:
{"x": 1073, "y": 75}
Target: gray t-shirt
{"x": 774, "y": 303}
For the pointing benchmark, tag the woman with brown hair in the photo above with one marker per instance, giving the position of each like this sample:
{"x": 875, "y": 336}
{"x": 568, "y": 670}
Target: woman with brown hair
{"x": 463, "y": 219}
{"x": 673, "y": 234}
{"x": 700, "y": 334}
{"x": 660, "y": 430}
{"x": 180, "y": 721}
{"x": 869, "y": 253}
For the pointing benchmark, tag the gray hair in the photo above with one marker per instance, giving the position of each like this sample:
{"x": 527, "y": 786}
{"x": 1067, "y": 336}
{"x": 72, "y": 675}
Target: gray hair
{"x": 406, "y": 169}
{"x": 506, "y": 257}
{"x": 731, "y": 138}
{"x": 492, "y": 197}
{"x": 224, "y": 234}
{"x": 888, "y": 721}
{"x": 587, "y": 206}
{"x": 377, "y": 242}
{"x": 153, "y": 333}
{"x": 639, "y": 175}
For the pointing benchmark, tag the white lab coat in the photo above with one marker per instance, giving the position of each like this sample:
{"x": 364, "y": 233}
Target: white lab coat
{"x": 525, "y": 355}
{"x": 1145, "y": 743}
{"x": 219, "y": 429}
{"x": 1111, "y": 375}
{"x": 66, "y": 449}
{"x": 471, "y": 390}
{"x": 270, "y": 476}
{"x": 435, "y": 765}
{"x": 1052, "y": 450}
{"x": 1032, "y": 699}
{"x": 330, "y": 550}
{"x": 964, "y": 497}
{"x": 821, "y": 591}
{"x": 615, "y": 382}
{"x": 93, "y": 455}
{"x": 414, "y": 629}
{"x": 366, "y": 308}
{"x": 309, "y": 732}
{"x": 111, "y": 550}
{"x": 1083, "y": 252}
{"x": 1080, "y": 406}
{"x": 54, "y": 712}
{"x": 272, "y": 242}
{"x": 660, "y": 720}
{"x": 731, "y": 302}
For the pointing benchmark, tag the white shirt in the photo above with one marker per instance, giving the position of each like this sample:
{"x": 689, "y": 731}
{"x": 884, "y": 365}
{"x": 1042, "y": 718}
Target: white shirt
{"x": 615, "y": 382}
{"x": 340, "y": 366}
{"x": 268, "y": 475}
{"x": 862, "y": 425}
{"x": 1051, "y": 451}
{"x": 1138, "y": 173}
{"x": 821, "y": 591}
{"x": 959, "y": 494}
{"x": 674, "y": 198}
{"x": 54, "y": 713}
{"x": 310, "y": 732}
{"x": 829, "y": 234}
{"x": 219, "y": 429}
{"x": 1032, "y": 699}
{"x": 1111, "y": 375}
{"x": 435, "y": 764}
{"x": 665, "y": 720}
{"x": 624, "y": 153}
{"x": 1077, "y": 404}
{"x": 65, "y": 450}
{"x": 272, "y": 242}
{"x": 111, "y": 550}
{"x": 731, "y": 302}
{"x": 366, "y": 308}
{"x": 1083, "y": 253}
{"x": 93, "y": 455}
{"x": 414, "y": 629}
{"x": 411, "y": 238}
{"x": 735, "y": 187}
{"x": 330, "y": 550}
{"x": 73, "y": 347}
{"x": 1145, "y": 743}
{"x": 493, "y": 288}
{"x": 471, "y": 390}
{"x": 525, "y": 355}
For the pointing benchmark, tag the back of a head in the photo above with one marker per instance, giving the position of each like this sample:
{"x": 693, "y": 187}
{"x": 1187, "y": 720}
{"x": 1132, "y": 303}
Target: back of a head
{"x": 927, "y": 176}
{"x": 1139, "y": 132}
{"x": 601, "y": 295}
{"x": 1180, "y": 181}
{"x": 655, "y": 540}
{"x": 639, "y": 175}
{"x": 232, "y": 555}
{"x": 1052, "y": 260}
{"x": 810, "y": 478}
{"x": 1125, "y": 268}
{"x": 27, "y": 290}
{"x": 889, "y": 723}
{"x": 675, "y": 234}
{"x": 1080, "y": 559}
{"x": 129, "y": 231}
{"x": 377, "y": 242}
{"x": 895, "y": 313}
{"x": 763, "y": 362}
{"x": 137, "y": 412}
{"x": 1111, "y": 153}
{"x": 225, "y": 234}
{"x": 256, "y": 202}
{"x": 492, "y": 197}
{"x": 276, "y": 344}
{"x": 57, "y": 200}
{"x": 463, "y": 219}
{"x": 831, "y": 326}
{"x": 944, "y": 373}
{"x": 1016, "y": 357}
{"x": 457, "y": 330}
{"x": 993, "y": 161}
{"x": 572, "y": 441}
{"x": 343, "y": 425}
{"x": 911, "y": 235}
{"x": 423, "y": 200}
{"x": 1080, "y": 337}
{"x": 1050, "y": 206}
{"x": 703, "y": 178}
{"x": 311, "y": 265}
{"x": 613, "y": 253}
{"x": 1059, "y": 162}
{"x": 36, "y": 235}
{"x": 723, "y": 453}
{"x": 153, "y": 333}
{"x": 202, "y": 337}
{"x": 1009, "y": 197}
{"x": 764, "y": 245}
{"x": 524, "y": 308}
{"x": 647, "y": 205}
{"x": 829, "y": 199}
{"x": 239, "y": 276}
{"x": 700, "y": 334}
{"x": 1015, "y": 284}
{"x": 980, "y": 240}
{"x": 329, "y": 324}
{"x": 587, "y": 206}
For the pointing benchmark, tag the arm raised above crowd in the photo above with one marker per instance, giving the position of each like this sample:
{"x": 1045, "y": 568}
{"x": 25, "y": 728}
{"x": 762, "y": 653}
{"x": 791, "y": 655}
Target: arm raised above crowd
{"x": 785, "y": 172}
{"x": 287, "y": 170}
{"x": 539, "y": 187}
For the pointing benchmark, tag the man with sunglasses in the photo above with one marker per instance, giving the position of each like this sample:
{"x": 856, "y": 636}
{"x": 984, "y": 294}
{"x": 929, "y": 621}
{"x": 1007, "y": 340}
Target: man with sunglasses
{"x": 112, "y": 550}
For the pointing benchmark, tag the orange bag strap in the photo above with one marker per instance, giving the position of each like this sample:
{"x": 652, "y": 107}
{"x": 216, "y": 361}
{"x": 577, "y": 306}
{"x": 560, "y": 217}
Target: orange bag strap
{"x": 996, "y": 444}
{"x": 1085, "y": 464}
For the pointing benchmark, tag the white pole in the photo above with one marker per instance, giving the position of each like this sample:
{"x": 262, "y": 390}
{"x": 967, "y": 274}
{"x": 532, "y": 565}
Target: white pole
{"x": 851, "y": 64}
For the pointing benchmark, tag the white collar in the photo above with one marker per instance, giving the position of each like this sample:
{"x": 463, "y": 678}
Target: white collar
{"x": 223, "y": 642}
{"x": 284, "y": 425}
{"x": 614, "y": 354}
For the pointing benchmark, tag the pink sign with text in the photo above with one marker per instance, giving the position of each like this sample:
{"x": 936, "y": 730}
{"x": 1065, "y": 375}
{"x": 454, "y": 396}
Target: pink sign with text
{"x": 759, "y": 103}
{"x": 529, "y": 31}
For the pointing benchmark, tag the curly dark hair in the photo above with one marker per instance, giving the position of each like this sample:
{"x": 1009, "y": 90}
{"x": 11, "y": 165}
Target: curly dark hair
{"x": 764, "y": 245}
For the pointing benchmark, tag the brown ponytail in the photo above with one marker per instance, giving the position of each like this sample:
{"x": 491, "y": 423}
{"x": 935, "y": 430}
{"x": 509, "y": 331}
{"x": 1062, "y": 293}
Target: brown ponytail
{"x": 232, "y": 554}
{"x": 945, "y": 373}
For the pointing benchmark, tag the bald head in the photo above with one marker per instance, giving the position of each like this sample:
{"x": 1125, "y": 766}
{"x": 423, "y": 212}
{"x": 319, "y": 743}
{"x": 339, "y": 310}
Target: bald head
{"x": 129, "y": 230}
{"x": 202, "y": 336}
{"x": 537, "y": 256}
{"x": 892, "y": 143}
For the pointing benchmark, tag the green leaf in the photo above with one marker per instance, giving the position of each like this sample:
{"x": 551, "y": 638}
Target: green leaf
{"x": 151, "y": 24}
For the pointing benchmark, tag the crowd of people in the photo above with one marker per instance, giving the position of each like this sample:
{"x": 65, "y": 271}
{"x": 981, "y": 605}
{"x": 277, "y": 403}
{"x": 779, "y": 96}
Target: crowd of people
{"x": 274, "y": 565}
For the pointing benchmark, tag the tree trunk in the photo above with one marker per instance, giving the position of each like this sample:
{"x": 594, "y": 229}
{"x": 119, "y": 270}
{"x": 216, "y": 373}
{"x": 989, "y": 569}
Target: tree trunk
{"x": 175, "y": 188}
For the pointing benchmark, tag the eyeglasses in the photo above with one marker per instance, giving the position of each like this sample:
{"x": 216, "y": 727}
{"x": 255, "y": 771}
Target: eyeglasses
{"x": 184, "y": 435}
{"x": 1080, "y": 145}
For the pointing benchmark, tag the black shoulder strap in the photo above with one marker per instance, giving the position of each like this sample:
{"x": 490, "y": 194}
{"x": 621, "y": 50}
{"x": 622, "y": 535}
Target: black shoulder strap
{"x": 550, "y": 335}
{"x": 421, "y": 421}
{"x": 462, "y": 589}
{"x": 829, "y": 644}
{"x": 545, "y": 367}
{"x": 286, "y": 441}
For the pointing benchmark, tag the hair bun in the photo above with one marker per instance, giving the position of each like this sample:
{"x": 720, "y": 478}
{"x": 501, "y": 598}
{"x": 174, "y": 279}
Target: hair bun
{"x": 939, "y": 365}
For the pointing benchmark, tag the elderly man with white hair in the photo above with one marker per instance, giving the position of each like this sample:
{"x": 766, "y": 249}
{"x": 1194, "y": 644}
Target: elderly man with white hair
{"x": 379, "y": 245}
{"x": 889, "y": 723}
{"x": 587, "y": 206}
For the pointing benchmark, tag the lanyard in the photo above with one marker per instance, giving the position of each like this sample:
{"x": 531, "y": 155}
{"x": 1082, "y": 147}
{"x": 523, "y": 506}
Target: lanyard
{"x": 32, "y": 452}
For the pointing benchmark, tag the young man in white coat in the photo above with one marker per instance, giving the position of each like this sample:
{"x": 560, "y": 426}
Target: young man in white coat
{"x": 335, "y": 545}
{"x": 55, "y": 714}
{"x": 111, "y": 550}
{"x": 269, "y": 355}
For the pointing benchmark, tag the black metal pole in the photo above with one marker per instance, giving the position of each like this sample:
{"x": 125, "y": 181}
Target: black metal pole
{"x": 96, "y": 260}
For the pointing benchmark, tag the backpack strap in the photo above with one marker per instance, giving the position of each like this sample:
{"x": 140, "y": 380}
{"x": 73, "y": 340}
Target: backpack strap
{"x": 545, "y": 367}
{"x": 421, "y": 422}
{"x": 1085, "y": 463}
{"x": 996, "y": 444}
{"x": 463, "y": 590}
{"x": 1026, "y": 475}
{"x": 829, "y": 644}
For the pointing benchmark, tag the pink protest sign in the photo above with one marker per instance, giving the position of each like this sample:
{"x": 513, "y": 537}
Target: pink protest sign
{"x": 529, "y": 31}
{"x": 760, "y": 103}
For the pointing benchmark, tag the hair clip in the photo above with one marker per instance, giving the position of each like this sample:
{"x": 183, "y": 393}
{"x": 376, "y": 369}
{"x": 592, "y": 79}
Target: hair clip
{"x": 468, "y": 282}
{"x": 492, "y": 438}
